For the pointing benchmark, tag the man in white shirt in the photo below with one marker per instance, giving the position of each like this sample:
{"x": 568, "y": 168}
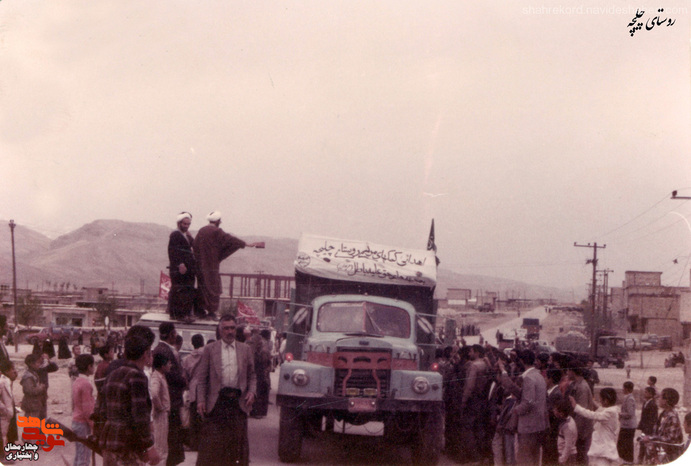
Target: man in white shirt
{"x": 226, "y": 389}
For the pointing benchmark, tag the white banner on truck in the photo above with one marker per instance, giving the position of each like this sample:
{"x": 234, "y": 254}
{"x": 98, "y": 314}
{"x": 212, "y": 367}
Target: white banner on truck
{"x": 362, "y": 261}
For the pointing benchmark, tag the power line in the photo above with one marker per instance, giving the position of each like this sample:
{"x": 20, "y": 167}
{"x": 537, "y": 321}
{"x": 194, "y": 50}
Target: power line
{"x": 636, "y": 217}
{"x": 647, "y": 225}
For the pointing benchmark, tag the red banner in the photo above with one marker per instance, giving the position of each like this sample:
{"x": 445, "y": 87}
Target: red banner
{"x": 247, "y": 313}
{"x": 164, "y": 287}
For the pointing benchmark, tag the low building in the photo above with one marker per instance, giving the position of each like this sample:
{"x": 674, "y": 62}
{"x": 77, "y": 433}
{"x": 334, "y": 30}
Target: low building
{"x": 457, "y": 297}
{"x": 650, "y": 307}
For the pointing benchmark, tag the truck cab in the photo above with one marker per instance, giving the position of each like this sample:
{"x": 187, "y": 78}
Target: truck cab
{"x": 360, "y": 351}
{"x": 612, "y": 350}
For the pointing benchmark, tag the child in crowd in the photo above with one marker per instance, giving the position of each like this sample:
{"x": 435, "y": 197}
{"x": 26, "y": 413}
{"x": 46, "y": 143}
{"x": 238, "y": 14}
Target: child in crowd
{"x": 160, "y": 399}
{"x": 627, "y": 420}
{"x": 46, "y": 366}
{"x": 668, "y": 427}
{"x": 7, "y": 410}
{"x": 652, "y": 380}
{"x": 568, "y": 434}
{"x": 603, "y": 448}
{"x": 107, "y": 353}
{"x": 687, "y": 429}
{"x": 72, "y": 370}
{"x": 35, "y": 399}
{"x": 648, "y": 419}
{"x": 82, "y": 407}
{"x": 507, "y": 422}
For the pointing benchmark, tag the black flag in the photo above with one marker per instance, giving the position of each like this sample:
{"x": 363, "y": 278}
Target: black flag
{"x": 431, "y": 246}
{"x": 430, "y": 242}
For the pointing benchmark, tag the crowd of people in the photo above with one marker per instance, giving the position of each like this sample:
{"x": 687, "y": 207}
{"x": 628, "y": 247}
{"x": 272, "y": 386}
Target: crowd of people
{"x": 148, "y": 404}
{"x": 534, "y": 408}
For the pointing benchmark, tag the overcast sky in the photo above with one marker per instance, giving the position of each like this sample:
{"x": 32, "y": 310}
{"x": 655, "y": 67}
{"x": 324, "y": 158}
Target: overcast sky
{"x": 520, "y": 127}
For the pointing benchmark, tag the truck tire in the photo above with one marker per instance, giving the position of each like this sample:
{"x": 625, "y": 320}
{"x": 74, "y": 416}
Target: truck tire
{"x": 313, "y": 424}
{"x": 604, "y": 363}
{"x": 427, "y": 443}
{"x": 330, "y": 423}
{"x": 398, "y": 428}
{"x": 290, "y": 432}
{"x": 619, "y": 364}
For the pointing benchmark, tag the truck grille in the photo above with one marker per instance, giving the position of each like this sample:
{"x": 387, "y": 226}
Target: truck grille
{"x": 362, "y": 383}
{"x": 362, "y": 373}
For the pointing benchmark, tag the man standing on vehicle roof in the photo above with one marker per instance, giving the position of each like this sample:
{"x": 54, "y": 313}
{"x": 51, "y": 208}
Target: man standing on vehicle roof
{"x": 183, "y": 270}
{"x": 211, "y": 247}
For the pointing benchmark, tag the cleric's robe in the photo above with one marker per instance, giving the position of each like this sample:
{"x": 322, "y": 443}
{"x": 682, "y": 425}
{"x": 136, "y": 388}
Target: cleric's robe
{"x": 212, "y": 246}
{"x": 182, "y": 292}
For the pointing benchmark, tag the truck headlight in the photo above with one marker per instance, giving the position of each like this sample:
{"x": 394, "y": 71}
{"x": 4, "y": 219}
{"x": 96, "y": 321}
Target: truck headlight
{"x": 300, "y": 378}
{"x": 420, "y": 385}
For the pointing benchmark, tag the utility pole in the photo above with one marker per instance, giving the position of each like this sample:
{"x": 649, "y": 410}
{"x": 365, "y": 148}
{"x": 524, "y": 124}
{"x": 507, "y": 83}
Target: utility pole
{"x": 605, "y": 293}
{"x": 593, "y": 341}
{"x": 14, "y": 290}
{"x": 686, "y": 342}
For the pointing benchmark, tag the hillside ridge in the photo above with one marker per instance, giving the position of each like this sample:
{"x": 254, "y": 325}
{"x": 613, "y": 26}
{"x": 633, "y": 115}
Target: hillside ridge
{"x": 120, "y": 254}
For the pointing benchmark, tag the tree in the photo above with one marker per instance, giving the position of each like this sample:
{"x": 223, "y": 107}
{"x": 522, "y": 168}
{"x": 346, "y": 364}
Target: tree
{"x": 106, "y": 307}
{"x": 29, "y": 311}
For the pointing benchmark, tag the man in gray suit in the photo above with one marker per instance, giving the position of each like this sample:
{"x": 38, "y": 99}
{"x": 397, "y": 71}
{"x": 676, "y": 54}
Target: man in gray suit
{"x": 226, "y": 388}
{"x": 531, "y": 410}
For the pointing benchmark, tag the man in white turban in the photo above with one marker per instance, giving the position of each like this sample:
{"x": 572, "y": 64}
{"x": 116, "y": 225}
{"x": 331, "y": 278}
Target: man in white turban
{"x": 183, "y": 270}
{"x": 211, "y": 246}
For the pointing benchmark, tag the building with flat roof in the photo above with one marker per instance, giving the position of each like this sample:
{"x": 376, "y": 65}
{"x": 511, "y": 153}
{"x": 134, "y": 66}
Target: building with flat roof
{"x": 650, "y": 307}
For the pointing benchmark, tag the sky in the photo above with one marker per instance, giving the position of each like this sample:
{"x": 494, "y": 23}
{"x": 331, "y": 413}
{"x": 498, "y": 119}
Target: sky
{"x": 520, "y": 128}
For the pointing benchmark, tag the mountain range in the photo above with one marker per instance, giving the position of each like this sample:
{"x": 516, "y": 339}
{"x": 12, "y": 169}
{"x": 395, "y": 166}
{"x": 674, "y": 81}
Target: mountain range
{"x": 129, "y": 257}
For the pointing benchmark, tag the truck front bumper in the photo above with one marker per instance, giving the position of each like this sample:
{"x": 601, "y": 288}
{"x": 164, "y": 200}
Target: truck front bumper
{"x": 357, "y": 405}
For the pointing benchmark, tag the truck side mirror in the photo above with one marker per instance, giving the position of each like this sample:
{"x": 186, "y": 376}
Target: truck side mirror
{"x": 301, "y": 321}
{"x": 425, "y": 326}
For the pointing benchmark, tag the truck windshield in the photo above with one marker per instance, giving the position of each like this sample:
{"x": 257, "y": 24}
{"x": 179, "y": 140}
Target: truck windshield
{"x": 364, "y": 318}
{"x": 620, "y": 342}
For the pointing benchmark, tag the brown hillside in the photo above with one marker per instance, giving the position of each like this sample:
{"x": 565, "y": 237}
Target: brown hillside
{"x": 117, "y": 253}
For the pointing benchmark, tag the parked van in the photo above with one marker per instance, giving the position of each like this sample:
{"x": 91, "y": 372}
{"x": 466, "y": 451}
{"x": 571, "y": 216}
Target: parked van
{"x": 632, "y": 344}
{"x": 207, "y": 328}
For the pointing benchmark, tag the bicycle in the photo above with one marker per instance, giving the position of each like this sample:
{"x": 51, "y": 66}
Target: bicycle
{"x": 659, "y": 452}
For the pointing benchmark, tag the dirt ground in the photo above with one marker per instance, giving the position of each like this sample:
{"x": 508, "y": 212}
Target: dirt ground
{"x": 59, "y": 403}
{"x": 641, "y": 366}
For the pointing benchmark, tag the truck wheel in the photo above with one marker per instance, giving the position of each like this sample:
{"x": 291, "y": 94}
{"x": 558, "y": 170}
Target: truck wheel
{"x": 604, "y": 363}
{"x": 330, "y": 422}
{"x": 427, "y": 442}
{"x": 620, "y": 364}
{"x": 399, "y": 427}
{"x": 313, "y": 424}
{"x": 290, "y": 431}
